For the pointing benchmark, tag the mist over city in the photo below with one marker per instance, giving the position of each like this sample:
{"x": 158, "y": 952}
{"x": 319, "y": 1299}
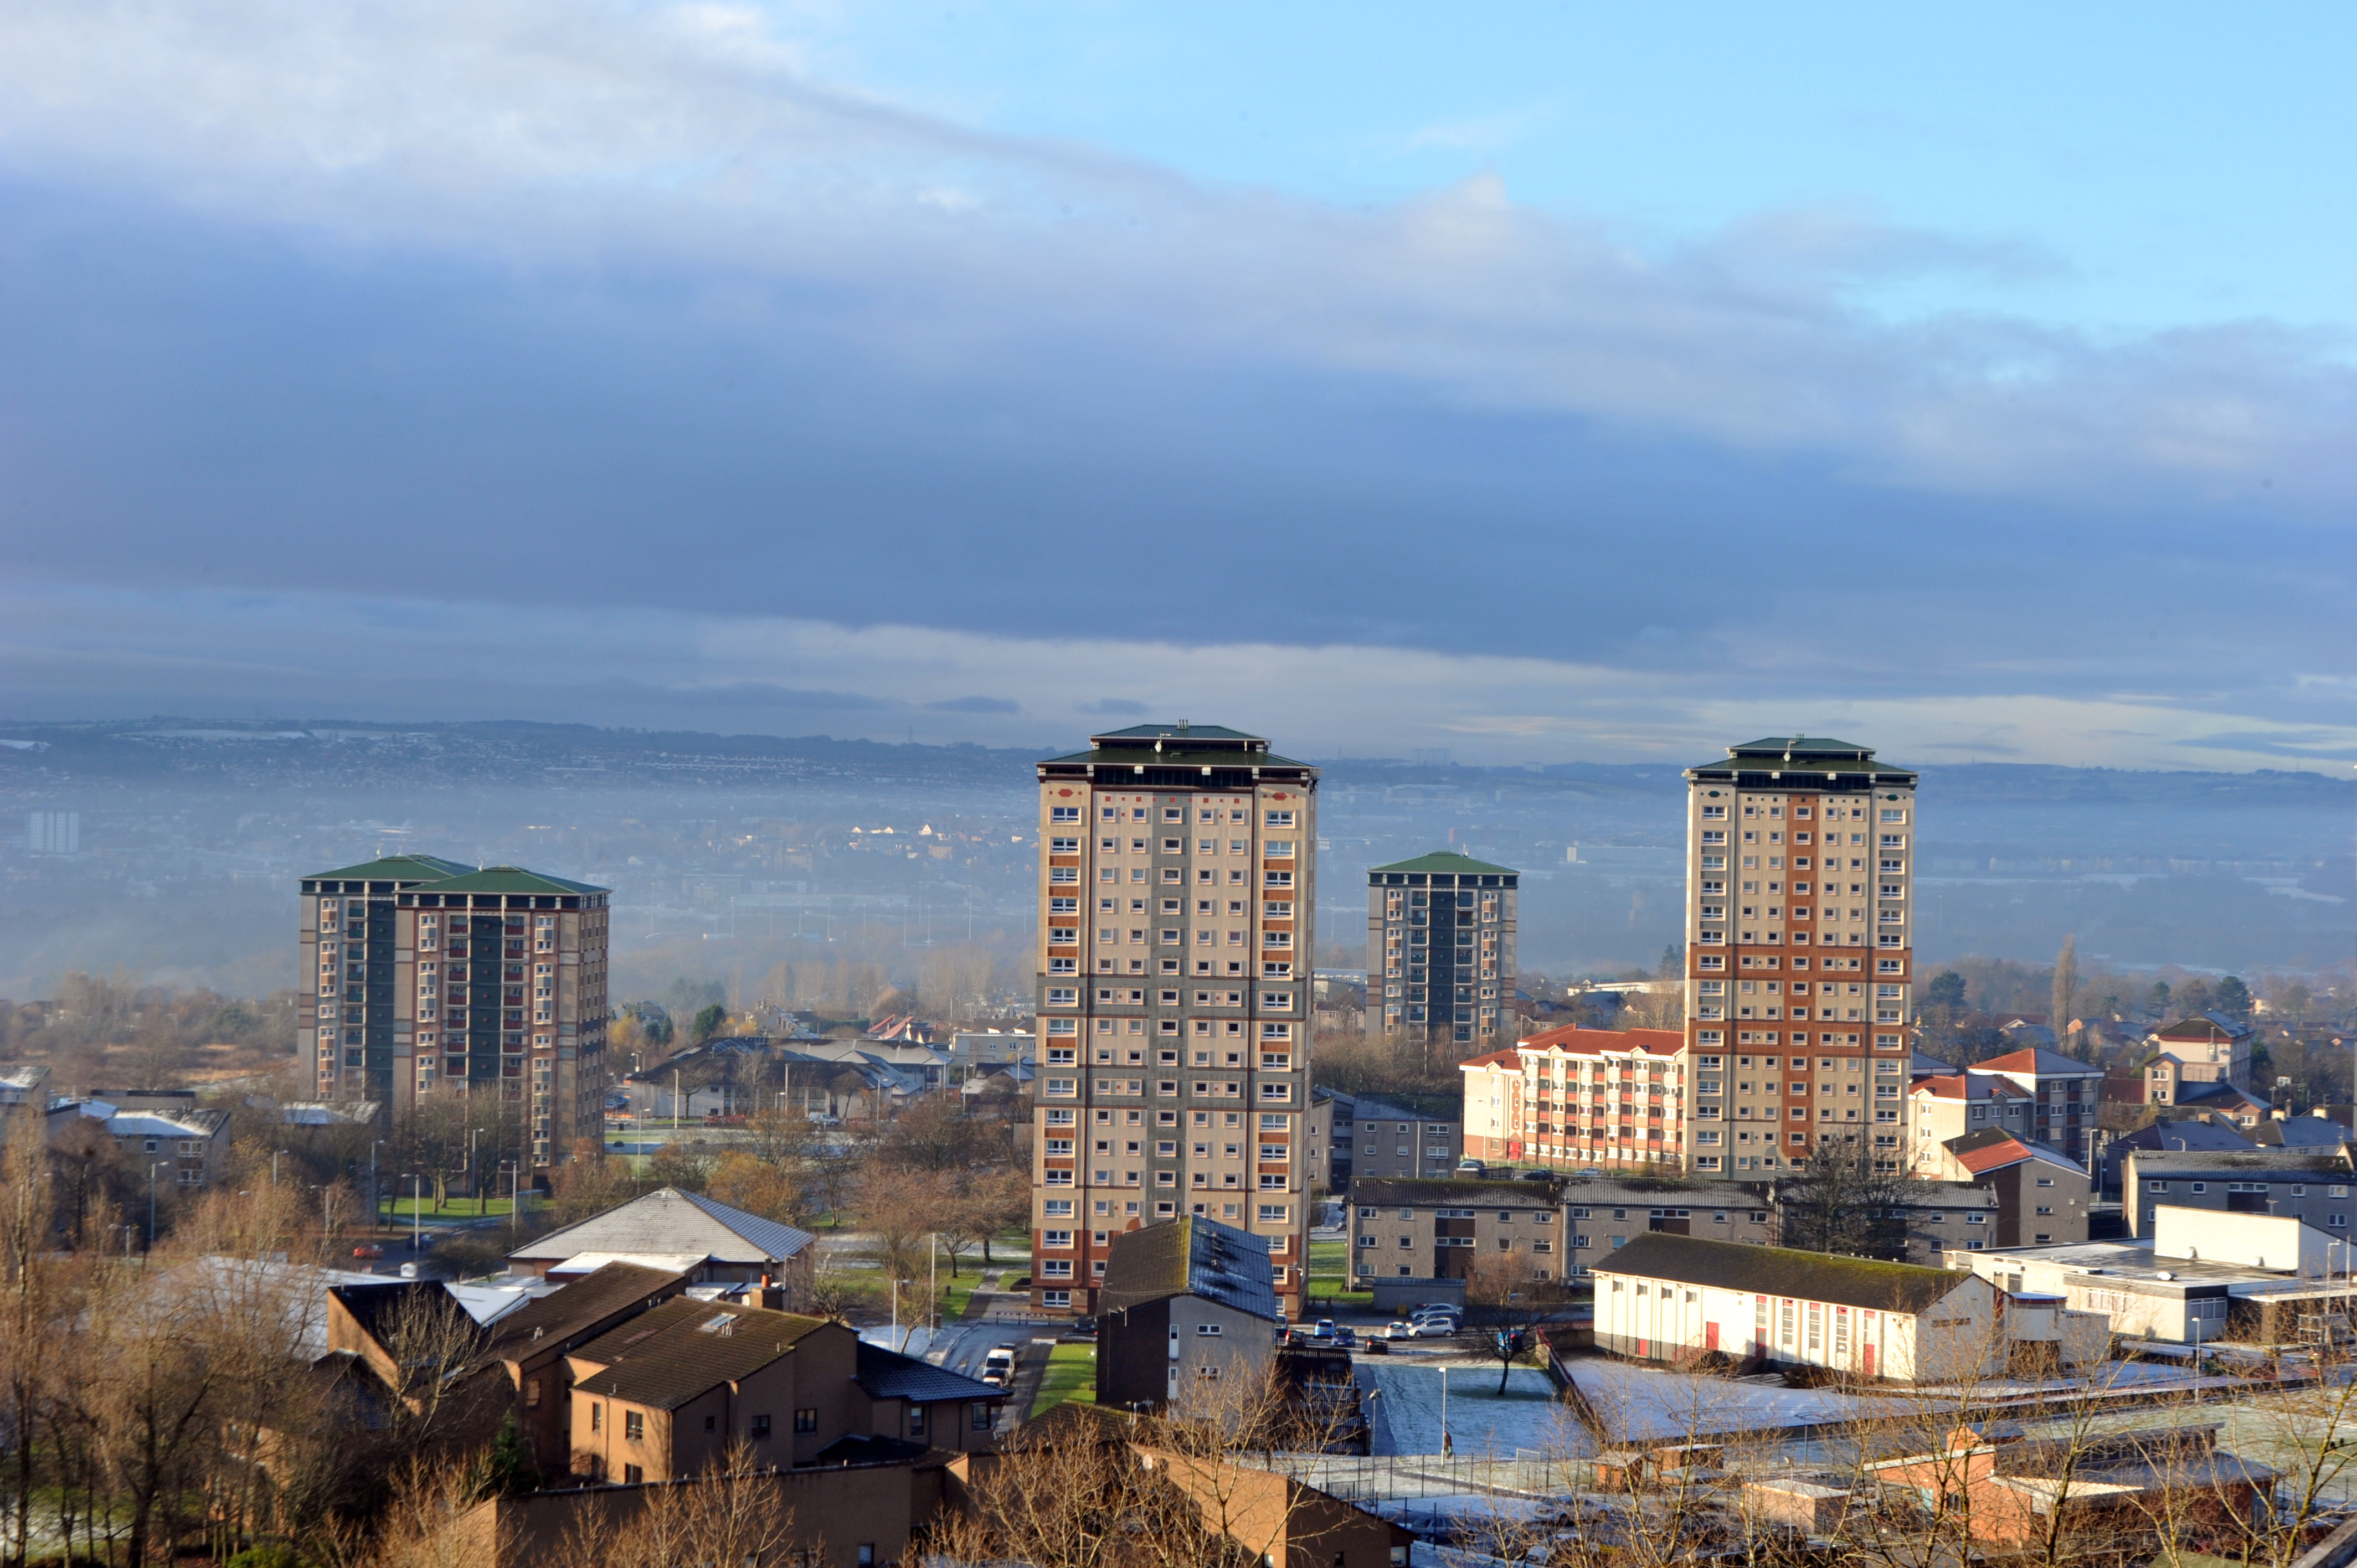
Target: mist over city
{"x": 1097, "y": 787}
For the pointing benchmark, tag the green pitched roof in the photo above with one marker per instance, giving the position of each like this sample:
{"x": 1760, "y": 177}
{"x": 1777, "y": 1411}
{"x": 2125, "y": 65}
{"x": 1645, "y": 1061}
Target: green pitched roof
{"x": 1181, "y": 732}
{"x": 1781, "y": 1272}
{"x": 1444, "y": 860}
{"x": 511, "y": 879}
{"x": 397, "y": 869}
{"x": 1800, "y": 753}
{"x": 1177, "y": 757}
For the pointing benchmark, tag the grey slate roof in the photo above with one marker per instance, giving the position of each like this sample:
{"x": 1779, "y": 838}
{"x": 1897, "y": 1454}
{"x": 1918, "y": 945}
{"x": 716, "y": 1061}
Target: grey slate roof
{"x": 2301, "y": 1132}
{"x": 671, "y": 1221}
{"x": 580, "y": 1306}
{"x": 2248, "y": 1164}
{"x": 1195, "y": 1256}
{"x": 888, "y": 1375}
{"x": 667, "y": 1356}
{"x": 1782, "y": 1271}
{"x": 1409, "y": 1192}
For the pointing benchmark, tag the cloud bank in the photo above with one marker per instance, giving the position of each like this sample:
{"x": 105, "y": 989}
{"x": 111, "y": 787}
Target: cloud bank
{"x": 451, "y": 317}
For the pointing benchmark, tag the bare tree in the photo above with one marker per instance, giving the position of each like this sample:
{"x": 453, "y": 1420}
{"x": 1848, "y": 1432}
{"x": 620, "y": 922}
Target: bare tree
{"x": 2066, "y": 990}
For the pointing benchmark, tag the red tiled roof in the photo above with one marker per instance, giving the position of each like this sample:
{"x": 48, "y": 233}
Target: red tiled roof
{"x": 1495, "y": 1058}
{"x": 1576, "y": 1037}
{"x": 2033, "y": 1059}
{"x": 1996, "y": 1156}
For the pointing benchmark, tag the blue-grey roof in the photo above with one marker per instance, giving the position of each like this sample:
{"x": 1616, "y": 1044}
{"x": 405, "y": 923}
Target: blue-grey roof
{"x": 775, "y": 1240}
{"x": 888, "y": 1375}
{"x": 667, "y": 1222}
{"x": 1191, "y": 1255}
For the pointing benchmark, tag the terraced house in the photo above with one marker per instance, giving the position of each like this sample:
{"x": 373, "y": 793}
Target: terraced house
{"x": 1178, "y": 897}
{"x": 422, "y": 979}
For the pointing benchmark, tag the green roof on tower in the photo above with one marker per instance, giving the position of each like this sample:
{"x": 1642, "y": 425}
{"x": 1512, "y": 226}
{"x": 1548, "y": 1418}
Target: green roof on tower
{"x": 1445, "y": 860}
{"x": 512, "y": 879}
{"x": 396, "y": 868}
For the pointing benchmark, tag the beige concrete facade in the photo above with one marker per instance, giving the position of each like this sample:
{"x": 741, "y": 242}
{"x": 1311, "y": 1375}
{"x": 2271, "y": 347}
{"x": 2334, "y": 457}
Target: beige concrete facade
{"x": 1177, "y": 896}
{"x": 1800, "y": 857}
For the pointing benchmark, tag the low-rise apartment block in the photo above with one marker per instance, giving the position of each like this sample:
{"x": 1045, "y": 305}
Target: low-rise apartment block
{"x": 1552, "y": 1229}
{"x": 2300, "y": 1184}
{"x": 2042, "y": 1195}
{"x": 1570, "y": 1098}
{"x": 183, "y": 1148}
{"x": 1397, "y": 1138}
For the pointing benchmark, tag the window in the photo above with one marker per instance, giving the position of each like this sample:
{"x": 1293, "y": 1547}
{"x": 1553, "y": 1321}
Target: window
{"x": 760, "y": 1426}
{"x": 916, "y": 1420}
{"x": 806, "y": 1420}
{"x": 634, "y": 1475}
{"x": 597, "y": 1417}
{"x": 634, "y": 1425}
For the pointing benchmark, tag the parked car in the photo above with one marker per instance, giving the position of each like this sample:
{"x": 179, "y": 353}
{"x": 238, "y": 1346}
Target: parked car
{"x": 1347, "y": 1339}
{"x": 1378, "y": 1347}
{"x": 1324, "y": 1329}
{"x": 1437, "y": 1327}
{"x": 368, "y": 1250}
{"x": 998, "y": 1366}
{"x": 1468, "y": 1165}
{"x": 1399, "y": 1329}
{"x": 1538, "y": 1175}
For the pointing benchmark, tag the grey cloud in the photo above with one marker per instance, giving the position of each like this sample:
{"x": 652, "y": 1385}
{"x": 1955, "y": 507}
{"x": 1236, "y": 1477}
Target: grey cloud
{"x": 976, "y": 705}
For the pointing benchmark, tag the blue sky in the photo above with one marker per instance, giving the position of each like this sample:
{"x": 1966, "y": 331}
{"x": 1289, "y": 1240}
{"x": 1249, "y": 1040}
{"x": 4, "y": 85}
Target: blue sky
{"x": 1544, "y": 382}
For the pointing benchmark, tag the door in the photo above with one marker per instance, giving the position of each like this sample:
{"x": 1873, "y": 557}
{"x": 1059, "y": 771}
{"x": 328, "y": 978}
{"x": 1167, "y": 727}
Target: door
{"x": 1710, "y": 1336}
{"x": 1866, "y": 1362}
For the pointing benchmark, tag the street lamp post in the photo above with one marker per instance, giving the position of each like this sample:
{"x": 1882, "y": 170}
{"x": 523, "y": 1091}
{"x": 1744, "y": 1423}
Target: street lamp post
{"x": 152, "y": 1169}
{"x": 416, "y": 1213}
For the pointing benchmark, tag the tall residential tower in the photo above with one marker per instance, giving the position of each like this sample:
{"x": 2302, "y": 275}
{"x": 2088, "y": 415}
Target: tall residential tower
{"x": 424, "y": 979}
{"x": 1799, "y": 956}
{"x": 1177, "y": 899}
{"x": 1440, "y": 952}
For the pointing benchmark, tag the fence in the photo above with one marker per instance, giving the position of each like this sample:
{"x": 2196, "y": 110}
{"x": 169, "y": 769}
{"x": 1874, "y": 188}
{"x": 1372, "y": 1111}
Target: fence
{"x": 1393, "y": 1477}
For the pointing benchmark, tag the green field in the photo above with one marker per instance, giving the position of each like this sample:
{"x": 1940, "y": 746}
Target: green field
{"x": 1328, "y": 1263}
{"x": 407, "y": 1208}
{"x": 1072, "y": 1375}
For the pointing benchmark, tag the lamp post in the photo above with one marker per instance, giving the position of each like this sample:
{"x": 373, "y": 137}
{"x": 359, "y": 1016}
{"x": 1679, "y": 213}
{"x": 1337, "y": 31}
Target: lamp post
{"x": 375, "y": 1203}
{"x": 152, "y": 1169}
{"x": 416, "y": 1212}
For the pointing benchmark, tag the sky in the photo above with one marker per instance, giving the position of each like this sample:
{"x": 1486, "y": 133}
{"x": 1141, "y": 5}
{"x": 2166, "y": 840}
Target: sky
{"x": 1541, "y": 382}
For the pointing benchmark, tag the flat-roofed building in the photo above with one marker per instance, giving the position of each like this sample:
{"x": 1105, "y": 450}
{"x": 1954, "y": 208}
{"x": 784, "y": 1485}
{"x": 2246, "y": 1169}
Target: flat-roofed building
{"x": 2308, "y": 1184}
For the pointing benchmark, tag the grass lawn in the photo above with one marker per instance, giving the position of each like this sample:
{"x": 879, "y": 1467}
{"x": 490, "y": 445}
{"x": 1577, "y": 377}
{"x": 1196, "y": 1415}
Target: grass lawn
{"x": 956, "y": 1292}
{"x": 406, "y": 1207}
{"x": 1072, "y": 1375}
{"x": 1328, "y": 1261}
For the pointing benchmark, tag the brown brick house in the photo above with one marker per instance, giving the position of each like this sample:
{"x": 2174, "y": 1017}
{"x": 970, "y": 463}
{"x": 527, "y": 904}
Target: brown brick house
{"x": 672, "y": 1391}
